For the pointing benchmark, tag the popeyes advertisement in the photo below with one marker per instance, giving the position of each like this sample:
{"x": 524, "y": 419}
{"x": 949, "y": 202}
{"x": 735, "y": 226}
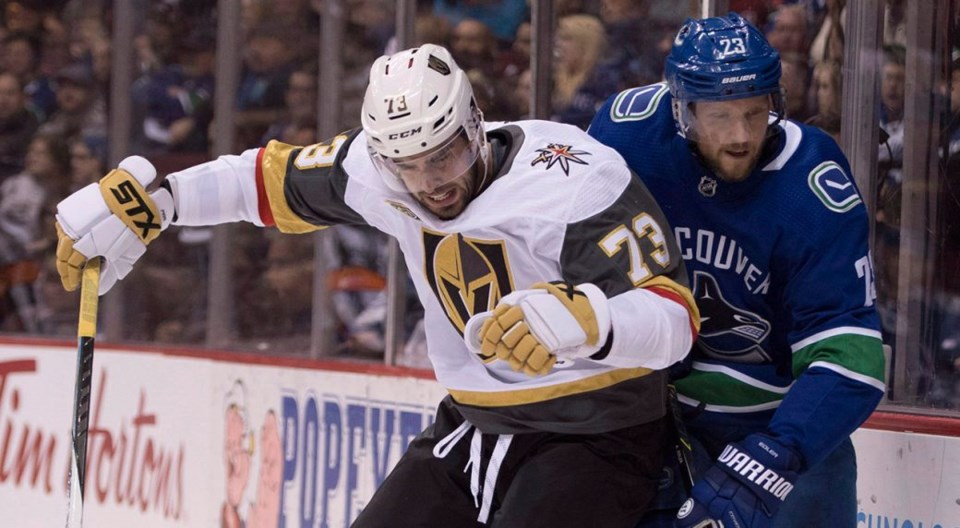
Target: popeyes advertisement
{"x": 179, "y": 440}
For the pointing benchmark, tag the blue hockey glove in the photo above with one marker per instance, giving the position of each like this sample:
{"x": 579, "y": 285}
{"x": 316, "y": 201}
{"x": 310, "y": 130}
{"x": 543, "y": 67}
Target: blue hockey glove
{"x": 744, "y": 488}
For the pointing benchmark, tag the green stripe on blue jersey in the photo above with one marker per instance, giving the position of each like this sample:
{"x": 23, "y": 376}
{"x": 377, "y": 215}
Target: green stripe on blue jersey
{"x": 722, "y": 388}
{"x": 853, "y": 355}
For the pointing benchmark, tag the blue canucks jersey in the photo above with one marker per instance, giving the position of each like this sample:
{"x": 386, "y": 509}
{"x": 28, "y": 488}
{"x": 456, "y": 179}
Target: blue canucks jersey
{"x": 780, "y": 268}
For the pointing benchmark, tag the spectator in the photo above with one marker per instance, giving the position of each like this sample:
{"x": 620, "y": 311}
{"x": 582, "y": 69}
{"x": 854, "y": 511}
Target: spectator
{"x": 794, "y": 78}
{"x": 54, "y": 50}
{"x": 829, "y": 123}
{"x": 84, "y": 32}
{"x": 48, "y": 162}
{"x": 374, "y": 19}
{"x": 58, "y": 310}
{"x": 21, "y": 55}
{"x": 637, "y": 59}
{"x": 24, "y": 16}
{"x": 889, "y": 185}
{"x": 176, "y": 100}
{"x": 79, "y": 109}
{"x": 517, "y": 58}
{"x": 503, "y": 17}
{"x": 892, "y": 83}
{"x": 299, "y": 21}
{"x": 428, "y": 28}
{"x": 300, "y": 101}
{"x": 562, "y": 8}
{"x": 954, "y": 95}
{"x": 756, "y": 11}
{"x": 789, "y": 31}
{"x": 369, "y": 27}
{"x": 474, "y": 47}
{"x": 579, "y": 86}
{"x": 287, "y": 299}
{"x": 17, "y": 125}
{"x": 895, "y": 22}
{"x": 431, "y": 29}
{"x": 88, "y": 161}
{"x": 301, "y": 131}
{"x": 828, "y": 44}
{"x": 828, "y": 87}
{"x": 155, "y": 47}
{"x": 100, "y": 63}
{"x": 522, "y": 93}
{"x": 357, "y": 259}
{"x": 24, "y": 199}
{"x": 267, "y": 63}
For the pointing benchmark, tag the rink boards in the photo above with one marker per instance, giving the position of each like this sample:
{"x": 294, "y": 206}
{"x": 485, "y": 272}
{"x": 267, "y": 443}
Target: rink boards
{"x": 177, "y": 438}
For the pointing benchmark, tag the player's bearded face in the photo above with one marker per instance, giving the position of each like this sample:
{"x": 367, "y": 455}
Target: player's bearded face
{"x": 730, "y": 134}
{"x": 444, "y": 179}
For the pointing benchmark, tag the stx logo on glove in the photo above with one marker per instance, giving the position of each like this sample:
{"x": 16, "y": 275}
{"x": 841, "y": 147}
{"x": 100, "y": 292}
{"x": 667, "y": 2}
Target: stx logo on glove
{"x": 755, "y": 472}
{"x": 124, "y": 190}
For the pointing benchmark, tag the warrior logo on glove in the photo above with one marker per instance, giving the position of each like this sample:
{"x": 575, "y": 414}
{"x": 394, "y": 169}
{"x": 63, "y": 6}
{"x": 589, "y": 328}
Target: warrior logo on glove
{"x": 119, "y": 190}
{"x": 756, "y": 472}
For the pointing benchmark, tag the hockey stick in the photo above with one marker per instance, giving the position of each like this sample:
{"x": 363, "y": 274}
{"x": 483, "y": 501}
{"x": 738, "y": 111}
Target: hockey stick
{"x": 683, "y": 450}
{"x": 86, "y": 330}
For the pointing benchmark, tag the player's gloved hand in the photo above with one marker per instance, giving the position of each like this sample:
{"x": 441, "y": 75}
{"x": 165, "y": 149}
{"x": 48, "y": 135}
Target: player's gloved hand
{"x": 115, "y": 219}
{"x": 531, "y": 328}
{"x": 744, "y": 488}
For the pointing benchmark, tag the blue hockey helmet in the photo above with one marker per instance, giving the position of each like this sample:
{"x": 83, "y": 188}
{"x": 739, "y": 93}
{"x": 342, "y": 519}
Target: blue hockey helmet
{"x": 721, "y": 59}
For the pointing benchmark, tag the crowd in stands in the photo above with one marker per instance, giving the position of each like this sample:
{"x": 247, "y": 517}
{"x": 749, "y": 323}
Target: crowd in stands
{"x": 55, "y": 64}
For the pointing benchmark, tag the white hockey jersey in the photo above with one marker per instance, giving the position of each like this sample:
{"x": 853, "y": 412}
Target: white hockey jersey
{"x": 559, "y": 206}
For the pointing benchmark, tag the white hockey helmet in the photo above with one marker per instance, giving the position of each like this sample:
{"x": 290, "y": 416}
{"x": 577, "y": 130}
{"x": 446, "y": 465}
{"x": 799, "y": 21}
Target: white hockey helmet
{"x": 419, "y": 101}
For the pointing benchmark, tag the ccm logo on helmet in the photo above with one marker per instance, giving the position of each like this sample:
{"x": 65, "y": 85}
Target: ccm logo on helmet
{"x": 405, "y": 133}
{"x": 741, "y": 78}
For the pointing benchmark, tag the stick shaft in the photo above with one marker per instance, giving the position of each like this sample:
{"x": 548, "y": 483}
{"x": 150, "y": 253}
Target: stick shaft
{"x": 683, "y": 447}
{"x": 86, "y": 330}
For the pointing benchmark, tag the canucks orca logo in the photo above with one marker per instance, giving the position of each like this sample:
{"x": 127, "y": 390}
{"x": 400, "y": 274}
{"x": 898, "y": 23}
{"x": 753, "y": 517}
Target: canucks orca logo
{"x": 726, "y": 331}
{"x": 467, "y": 275}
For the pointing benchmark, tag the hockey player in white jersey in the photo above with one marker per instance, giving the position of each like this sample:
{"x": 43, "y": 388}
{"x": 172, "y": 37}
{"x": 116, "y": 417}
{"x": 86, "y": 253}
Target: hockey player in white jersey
{"x": 554, "y": 294}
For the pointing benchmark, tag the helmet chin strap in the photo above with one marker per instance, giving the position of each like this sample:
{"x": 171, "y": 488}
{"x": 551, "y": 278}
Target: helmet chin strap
{"x": 486, "y": 167}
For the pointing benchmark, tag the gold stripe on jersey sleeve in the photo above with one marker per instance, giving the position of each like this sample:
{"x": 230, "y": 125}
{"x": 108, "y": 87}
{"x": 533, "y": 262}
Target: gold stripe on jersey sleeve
{"x": 551, "y": 392}
{"x": 669, "y": 284}
{"x": 274, "y": 169}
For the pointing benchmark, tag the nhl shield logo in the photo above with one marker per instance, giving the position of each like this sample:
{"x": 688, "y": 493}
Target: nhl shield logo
{"x": 708, "y": 186}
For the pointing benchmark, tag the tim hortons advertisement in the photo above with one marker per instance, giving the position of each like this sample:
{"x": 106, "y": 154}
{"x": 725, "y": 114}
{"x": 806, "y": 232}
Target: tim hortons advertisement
{"x": 180, "y": 439}
{"x": 185, "y": 441}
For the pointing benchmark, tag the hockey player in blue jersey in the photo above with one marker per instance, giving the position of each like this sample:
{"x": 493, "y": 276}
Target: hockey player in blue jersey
{"x": 775, "y": 238}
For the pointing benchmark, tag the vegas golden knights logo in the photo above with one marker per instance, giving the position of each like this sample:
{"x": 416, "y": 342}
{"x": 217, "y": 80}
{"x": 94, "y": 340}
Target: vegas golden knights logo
{"x": 467, "y": 275}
